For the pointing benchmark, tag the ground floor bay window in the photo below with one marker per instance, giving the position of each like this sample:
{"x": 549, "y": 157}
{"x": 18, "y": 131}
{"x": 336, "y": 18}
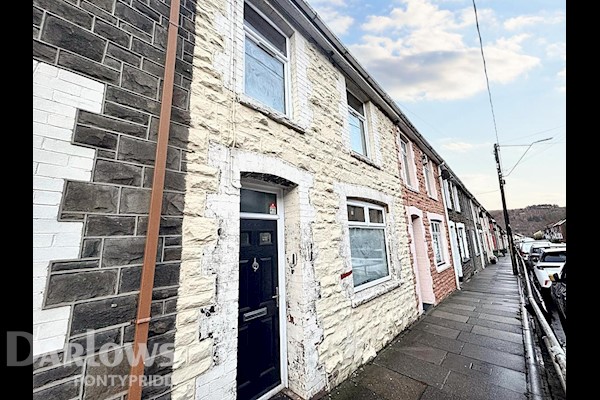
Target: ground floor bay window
{"x": 368, "y": 249}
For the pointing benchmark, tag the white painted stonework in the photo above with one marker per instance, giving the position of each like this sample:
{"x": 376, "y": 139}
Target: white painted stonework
{"x": 57, "y": 94}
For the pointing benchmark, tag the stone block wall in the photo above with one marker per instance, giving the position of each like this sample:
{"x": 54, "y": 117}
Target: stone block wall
{"x": 98, "y": 70}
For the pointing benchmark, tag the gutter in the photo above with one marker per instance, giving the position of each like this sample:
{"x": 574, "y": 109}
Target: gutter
{"x": 142, "y": 322}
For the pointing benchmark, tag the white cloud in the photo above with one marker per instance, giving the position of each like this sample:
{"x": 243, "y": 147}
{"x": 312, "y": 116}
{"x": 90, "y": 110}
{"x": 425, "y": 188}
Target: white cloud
{"x": 338, "y": 23}
{"x": 418, "y": 52}
{"x": 523, "y": 21}
{"x": 463, "y": 147}
{"x": 557, "y": 50}
{"x": 562, "y": 76}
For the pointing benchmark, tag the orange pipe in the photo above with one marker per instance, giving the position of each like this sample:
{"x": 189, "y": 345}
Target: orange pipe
{"x": 158, "y": 181}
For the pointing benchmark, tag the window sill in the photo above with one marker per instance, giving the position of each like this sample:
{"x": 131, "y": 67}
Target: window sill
{"x": 412, "y": 188}
{"x": 364, "y": 159}
{"x": 431, "y": 197}
{"x": 364, "y": 296}
{"x": 442, "y": 267}
{"x": 270, "y": 113}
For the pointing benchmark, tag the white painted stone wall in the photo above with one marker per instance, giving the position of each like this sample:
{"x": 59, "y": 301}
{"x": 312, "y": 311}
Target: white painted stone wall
{"x": 57, "y": 94}
{"x": 327, "y": 330}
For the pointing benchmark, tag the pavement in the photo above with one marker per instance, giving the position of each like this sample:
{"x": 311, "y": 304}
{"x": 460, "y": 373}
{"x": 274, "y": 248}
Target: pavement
{"x": 470, "y": 346}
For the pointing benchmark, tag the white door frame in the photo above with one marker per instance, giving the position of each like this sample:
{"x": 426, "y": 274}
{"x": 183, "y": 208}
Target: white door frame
{"x": 279, "y": 217}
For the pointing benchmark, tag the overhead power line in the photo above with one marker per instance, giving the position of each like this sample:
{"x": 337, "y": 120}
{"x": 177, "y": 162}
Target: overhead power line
{"x": 487, "y": 80}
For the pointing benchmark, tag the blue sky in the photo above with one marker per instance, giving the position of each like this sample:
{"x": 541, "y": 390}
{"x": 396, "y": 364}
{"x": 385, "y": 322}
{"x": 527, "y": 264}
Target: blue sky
{"x": 426, "y": 55}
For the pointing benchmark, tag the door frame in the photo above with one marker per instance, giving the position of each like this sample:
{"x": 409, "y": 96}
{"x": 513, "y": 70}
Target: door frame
{"x": 279, "y": 217}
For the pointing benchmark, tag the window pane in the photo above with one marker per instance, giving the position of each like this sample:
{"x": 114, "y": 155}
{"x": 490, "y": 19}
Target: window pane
{"x": 264, "y": 77}
{"x": 252, "y": 201}
{"x": 369, "y": 258}
{"x": 357, "y": 136}
{"x": 356, "y": 213}
{"x": 375, "y": 216}
{"x": 265, "y": 29}
{"x": 355, "y": 103}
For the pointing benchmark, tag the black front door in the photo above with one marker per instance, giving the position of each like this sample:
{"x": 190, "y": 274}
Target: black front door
{"x": 258, "y": 318}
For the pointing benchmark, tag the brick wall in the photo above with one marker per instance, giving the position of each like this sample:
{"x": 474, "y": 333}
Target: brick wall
{"x": 444, "y": 282}
{"x": 98, "y": 68}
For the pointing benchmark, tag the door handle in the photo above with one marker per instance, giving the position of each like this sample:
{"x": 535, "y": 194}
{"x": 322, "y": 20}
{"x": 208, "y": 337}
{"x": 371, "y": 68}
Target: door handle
{"x": 276, "y": 296}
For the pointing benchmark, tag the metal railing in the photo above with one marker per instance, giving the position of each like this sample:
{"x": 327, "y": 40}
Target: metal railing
{"x": 557, "y": 353}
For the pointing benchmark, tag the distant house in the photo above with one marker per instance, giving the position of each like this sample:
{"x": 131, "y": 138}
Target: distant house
{"x": 556, "y": 232}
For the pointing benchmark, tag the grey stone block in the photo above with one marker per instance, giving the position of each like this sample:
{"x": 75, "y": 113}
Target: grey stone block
{"x": 112, "y": 33}
{"x": 178, "y": 134}
{"x": 164, "y": 275}
{"x": 172, "y": 241}
{"x": 123, "y": 54}
{"x": 135, "y": 201}
{"x": 90, "y": 197}
{"x": 158, "y": 326}
{"x": 67, "y": 288}
{"x": 62, "y": 371}
{"x": 168, "y": 226}
{"x": 117, "y": 365}
{"x": 496, "y": 325}
{"x": 59, "y": 266}
{"x": 440, "y": 342}
{"x": 66, "y": 390}
{"x": 160, "y": 7}
{"x": 129, "y": 99}
{"x": 91, "y": 343}
{"x": 450, "y": 316}
{"x": 448, "y": 323}
{"x": 96, "y": 137}
{"x": 153, "y": 68}
{"x": 147, "y": 11}
{"x": 103, "y": 153}
{"x": 173, "y": 180}
{"x": 180, "y": 97}
{"x": 99, "y": 8}
{"x": 37, "y": 16}
{"x": 505, "y": 320}
{"x": 65, "y": 216}
{"x": 67, "y": 11}
{"x": 73, "y": 38}
{"x": 438, "y": 330}
{"x": 180, "y": 116}
{"x": 123, "y": 251}
{"x": 44, "y": 52}
{"x": 125, "y": 113}
{"x": 138, "y": 151}
{"x": 135, "y": 31}
{"x": 161, "y": 294}
{"x": 160, "y": 37}
{"x": 88, "y": 67}
{"x": 140, "y": 82}
{"x": 112, "y": 63}
{"x": 91, "y": 248}
{"x": 117, "y": 172}
{"x": 459, "y": 305}
{"x": 103, "y": 313}
{"x": 104, "y": 225}
{"x": 422, "y": 352}
{"x": 147, "y": 50}
{"x": 172, "y": 254}
{"x": 134, "y": 17}
{"x": 157, "y": 308}
{"x": 184, "y": 68}
{"x": 170, "y": 306}
{"x": 173, "y": 203}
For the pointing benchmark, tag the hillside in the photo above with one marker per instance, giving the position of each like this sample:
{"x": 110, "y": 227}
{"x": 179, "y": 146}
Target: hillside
{"x": 531, "y": 219}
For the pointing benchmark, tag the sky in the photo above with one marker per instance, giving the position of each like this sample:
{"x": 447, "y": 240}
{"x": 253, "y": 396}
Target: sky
{"x": 426, "y": 55}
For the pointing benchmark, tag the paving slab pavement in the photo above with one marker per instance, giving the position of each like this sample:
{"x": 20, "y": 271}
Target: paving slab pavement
{"x": 468, "y": 347}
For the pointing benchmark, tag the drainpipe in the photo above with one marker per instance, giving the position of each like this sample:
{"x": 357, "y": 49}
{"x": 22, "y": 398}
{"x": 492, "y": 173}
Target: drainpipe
{"x": 158, "y": 181}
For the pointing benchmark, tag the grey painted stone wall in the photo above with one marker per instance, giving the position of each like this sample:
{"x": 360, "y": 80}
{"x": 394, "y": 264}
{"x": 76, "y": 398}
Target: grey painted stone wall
{"x": 120, "y": 43}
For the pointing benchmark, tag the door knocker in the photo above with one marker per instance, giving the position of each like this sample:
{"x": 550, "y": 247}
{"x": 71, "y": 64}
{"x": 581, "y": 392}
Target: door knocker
{"x": 255, "y": 265}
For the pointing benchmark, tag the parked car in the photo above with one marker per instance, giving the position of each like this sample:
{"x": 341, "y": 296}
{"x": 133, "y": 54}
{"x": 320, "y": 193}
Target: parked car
{"x": 558, "y": 292}
{"x": 526, "y": 246}
{"x": 551, "y": 262}
{"x": 535, "y": 250}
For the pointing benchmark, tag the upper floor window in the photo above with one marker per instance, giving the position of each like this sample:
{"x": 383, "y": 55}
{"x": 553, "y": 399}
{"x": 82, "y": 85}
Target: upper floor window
{"x": 357, "y": 122}
{"x": 366, "y": 225}
{"x": 429, "y": 180}
{"x": 456, "y": 199}
{"x": 266, "y": 61}
{"x": 407, "y": 162}
{"x": 436, "y": 236}
{"x": 447, "y": 193}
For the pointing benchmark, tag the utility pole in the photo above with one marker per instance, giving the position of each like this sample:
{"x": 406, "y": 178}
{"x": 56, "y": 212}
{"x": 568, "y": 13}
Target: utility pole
{"x": 506, "y": 219}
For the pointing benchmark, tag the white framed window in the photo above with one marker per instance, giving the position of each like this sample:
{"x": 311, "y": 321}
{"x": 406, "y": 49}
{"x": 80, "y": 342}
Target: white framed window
{"x": 429, "y": 181}
{"x": 266, "y": 61}
{"x": 475, "y": 243}
{"x": 358, "y": 125}
{"x": 368, "y": 244}
{"x": 447, "y": 195}
{"x": 407, "y": 163}
{"x": 455, "y": 197}
{"x": 437, "y": 242}
{"x": 462, "y": 238}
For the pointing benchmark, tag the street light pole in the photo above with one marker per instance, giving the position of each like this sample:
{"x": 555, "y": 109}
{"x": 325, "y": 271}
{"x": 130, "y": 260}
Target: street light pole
{"x": 505, "y": 210}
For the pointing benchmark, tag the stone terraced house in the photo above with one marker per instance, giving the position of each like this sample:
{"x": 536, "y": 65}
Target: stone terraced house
{"x": 255, "y": 226}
